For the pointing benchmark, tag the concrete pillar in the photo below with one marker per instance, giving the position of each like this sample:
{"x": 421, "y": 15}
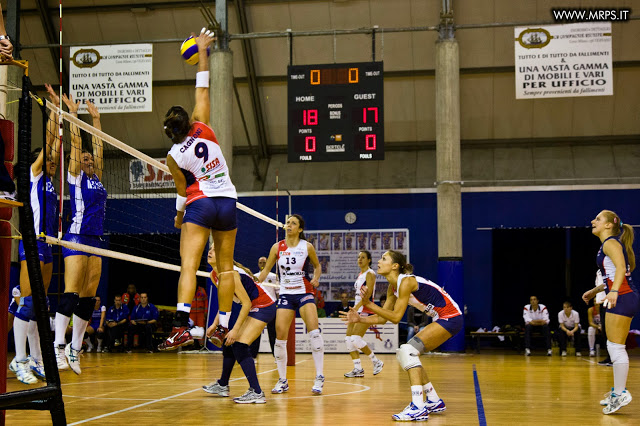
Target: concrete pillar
{"x": 448, "y": 175}
{"x": 221, "y": 96}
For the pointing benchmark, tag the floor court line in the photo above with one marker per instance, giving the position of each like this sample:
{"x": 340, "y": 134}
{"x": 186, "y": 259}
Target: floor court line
{"x": 482, "y": 420}
{"x": 102, "y": 416}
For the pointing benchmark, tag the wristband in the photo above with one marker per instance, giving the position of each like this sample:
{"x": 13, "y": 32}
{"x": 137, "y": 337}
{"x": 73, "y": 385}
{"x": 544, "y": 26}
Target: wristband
{"x": 202, "y": 79}
{"x": 181, "y": 203}
{"x": 613, "y": 291}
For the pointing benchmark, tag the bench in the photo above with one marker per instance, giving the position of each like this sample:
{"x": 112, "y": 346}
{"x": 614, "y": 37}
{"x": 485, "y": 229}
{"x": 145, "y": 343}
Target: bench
{"x": 477, "y": 335}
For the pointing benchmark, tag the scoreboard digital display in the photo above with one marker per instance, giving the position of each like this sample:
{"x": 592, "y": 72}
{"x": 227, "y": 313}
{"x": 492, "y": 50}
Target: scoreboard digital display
{"x": 335, "y": 112}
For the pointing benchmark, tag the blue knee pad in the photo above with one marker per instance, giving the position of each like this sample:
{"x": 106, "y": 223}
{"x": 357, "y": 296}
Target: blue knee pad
{"x": 241, "y": 351}
{"x": 68, "y": 302}
{"x": 84, "y": 308}
{"x": 25, "y": 310}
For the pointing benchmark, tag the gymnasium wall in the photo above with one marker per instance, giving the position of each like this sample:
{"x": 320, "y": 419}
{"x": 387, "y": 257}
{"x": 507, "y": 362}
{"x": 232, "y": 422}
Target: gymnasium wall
{"x": 541, "y": 208}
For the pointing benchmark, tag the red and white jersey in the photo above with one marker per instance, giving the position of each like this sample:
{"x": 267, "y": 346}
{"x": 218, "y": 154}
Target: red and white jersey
{"x": 360, "y": 281}
{"x": 259, "y": 297}
{"x": 430, "y": 298}
{"x": 200, "y": 158}
{"x": 541, "y": 314}
{"x": 292, "y": 268}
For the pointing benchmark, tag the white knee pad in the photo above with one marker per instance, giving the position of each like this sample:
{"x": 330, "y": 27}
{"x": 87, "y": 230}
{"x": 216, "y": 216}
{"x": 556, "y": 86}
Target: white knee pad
{"x": 358, "y": 342}
{"x": 315, "y": 338}
{"x": 349, "y": 343}
{"x": 280, "y": 350}
{"x": 618, "y": 353}
{"x": 408, "y": 357}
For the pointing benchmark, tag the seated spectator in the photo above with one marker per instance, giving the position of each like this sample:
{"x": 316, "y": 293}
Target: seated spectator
{"x": 143, "y": 322}
{"x": 131, "y": 298}
{"x": 416, "y": 321}
{"x": 95, "y": 328}
{"x": 595, "y": 327}
{"x": 383, "y": 299}
{"x": 344, "y": 306}
{"x": 117, "y": 317}
{"x": 536, "y": 315}
{"x": 569, "y": 327}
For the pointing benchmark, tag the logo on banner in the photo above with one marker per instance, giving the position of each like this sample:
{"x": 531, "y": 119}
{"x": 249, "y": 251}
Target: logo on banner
{"x": 534, "y": 38}
{"x": 144, "y": 176}
{"x": 86, "y": 58}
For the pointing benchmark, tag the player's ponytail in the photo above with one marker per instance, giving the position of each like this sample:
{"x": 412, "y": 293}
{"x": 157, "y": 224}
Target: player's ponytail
{"x": 176, "y": 124}
{"x": 625, "y": 232}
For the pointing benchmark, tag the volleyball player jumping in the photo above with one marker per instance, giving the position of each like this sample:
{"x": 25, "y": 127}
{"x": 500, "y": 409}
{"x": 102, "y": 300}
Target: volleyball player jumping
{"x": 293, "y": 255}
{"x": 205, "y": 190}
{"x": 404, "y": 289}
{"x": 616, "y": 261}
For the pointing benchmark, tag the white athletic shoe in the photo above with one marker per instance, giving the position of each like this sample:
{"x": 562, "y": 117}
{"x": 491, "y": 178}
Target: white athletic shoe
{"x": 564, "y": 353}
{"x": 527, "y": 352}
{"x": 37, "y": 367}
{"x": 616, "y": 402}
{"x": 592, "y": 353}
{"x": 281, "y": 387}
{"x": 61, "y": 359}
{"x": 13, "y": 366}
{"x": 549, "y": 352}
{"x": 24, "y": 374}
{"x": 355, "y": 373}
{"x": 411, "y": 413}
{"x": 216, "y": 389}
{"x": 435, "y": 406}
{"x": 73, "y": 358}
{"x": 578, "y": 353}
{"x": 317, "y": 385}
{"x": 377, "y": 367}
{"x": 251, "y": 397}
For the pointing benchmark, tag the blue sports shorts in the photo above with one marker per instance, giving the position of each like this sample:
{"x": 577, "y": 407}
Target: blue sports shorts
{"x": 266, "y": 314}
{"x": 452, "y": 325}
{"x": 44, "y": 252}
{"x": 87, "y": 240}
{"x": 217, "y": 213}
{"x": 295, "y": 301}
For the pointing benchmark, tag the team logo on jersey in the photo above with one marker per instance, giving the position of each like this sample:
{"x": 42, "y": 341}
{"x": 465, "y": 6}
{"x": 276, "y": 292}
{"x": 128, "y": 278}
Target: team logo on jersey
{"x": 211, "y": 165}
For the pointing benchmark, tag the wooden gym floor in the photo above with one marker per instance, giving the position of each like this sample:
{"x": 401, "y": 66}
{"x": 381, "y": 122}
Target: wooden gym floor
{"x": 507, "y": 389}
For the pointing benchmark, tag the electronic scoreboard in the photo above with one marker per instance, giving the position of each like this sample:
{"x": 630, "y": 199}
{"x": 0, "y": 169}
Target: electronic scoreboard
{"x": 335, "y": 112}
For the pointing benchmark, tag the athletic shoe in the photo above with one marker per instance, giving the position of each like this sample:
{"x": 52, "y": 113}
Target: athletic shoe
{"x": 607, "y": 398}
{"x": 377, "y": 367}
{"x": 24, "y": 374}
{"x": 180, "y": 336}
{"x": 117, "y": 342}
{"x": 317, "y": 385}
{"x": 606, "y": 361}
{"x": 250, "y": 397}
{"x": 412, "y": 413}
{"x": 73, "y": 357}
{"x": 37, "y": 368}
{"x": 216, "y": 389}
{"x": 61, "y": 359}
{"x": 435, "y": 406}
{"x": 355, "y": 373}
{"x": 549, "y": 352}
{"x": 527, "y": 352}
{"x": 218, "y": 336}
{"x": 592, "y": 353}
{"x": 617, "y": 402}
{"x": 281, "y": 387}
{"x": 13, "y": 366}
{"x": 564, "y": 353}
{"x": 578, "y": 353}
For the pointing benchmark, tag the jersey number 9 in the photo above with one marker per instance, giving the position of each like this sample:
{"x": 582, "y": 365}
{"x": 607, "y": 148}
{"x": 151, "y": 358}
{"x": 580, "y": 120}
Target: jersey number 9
{"x": 202, "y": 151}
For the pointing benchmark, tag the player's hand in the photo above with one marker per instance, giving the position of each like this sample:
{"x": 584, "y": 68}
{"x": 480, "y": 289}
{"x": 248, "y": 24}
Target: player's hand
{"x": 93, "y": 110}
{"x": 315, "y": 283}
{"x": 351, "y": 316}
{"x": 587, "y": 296}
{"x": 133, "y": 322}
{"x": 53, "y": 96}
{"x": 68, "y": 101}
{"x": 177, "y": 220}
{"x": 231, "y": 337}
{"x": 611, "y": 300}
{"x": 205, "y": 38}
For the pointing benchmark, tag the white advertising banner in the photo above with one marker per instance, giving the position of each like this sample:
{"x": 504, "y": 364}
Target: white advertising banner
{"x": 143, "y": 176}
{"x": 116, "y": 78}
{"x": 380, "y": 338}
{"x": 338, "y": 255}
{"x": 563, "y": 60}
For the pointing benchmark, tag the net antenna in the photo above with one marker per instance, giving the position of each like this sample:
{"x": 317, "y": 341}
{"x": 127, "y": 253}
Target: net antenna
{"x": 209, "y": 17}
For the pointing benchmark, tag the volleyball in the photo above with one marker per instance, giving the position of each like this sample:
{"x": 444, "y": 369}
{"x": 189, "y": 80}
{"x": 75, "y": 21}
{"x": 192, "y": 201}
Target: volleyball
{"x": 189, "y": 51}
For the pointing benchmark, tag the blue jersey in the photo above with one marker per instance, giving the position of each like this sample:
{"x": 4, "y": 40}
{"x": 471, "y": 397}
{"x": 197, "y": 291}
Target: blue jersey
{"x": 88, "y": 202}
{"x": 117, "y": 315}
{"x": 44, "y": 206}
{"x": 146, "y": 313}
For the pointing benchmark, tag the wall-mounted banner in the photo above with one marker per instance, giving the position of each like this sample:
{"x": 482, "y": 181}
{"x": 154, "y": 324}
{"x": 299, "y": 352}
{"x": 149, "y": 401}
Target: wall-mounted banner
{"x": 143, "y": 175}
{"x": 116, "y": 78}
{"x": 338, "y": 255}
{"x": 556, "y": 61}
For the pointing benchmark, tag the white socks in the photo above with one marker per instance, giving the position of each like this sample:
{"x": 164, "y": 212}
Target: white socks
{"x": 34, "y": 341}
{"x": 20, "y": 329}
{"x": 79, "y": 327}
{"x": 61, "y": 324}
